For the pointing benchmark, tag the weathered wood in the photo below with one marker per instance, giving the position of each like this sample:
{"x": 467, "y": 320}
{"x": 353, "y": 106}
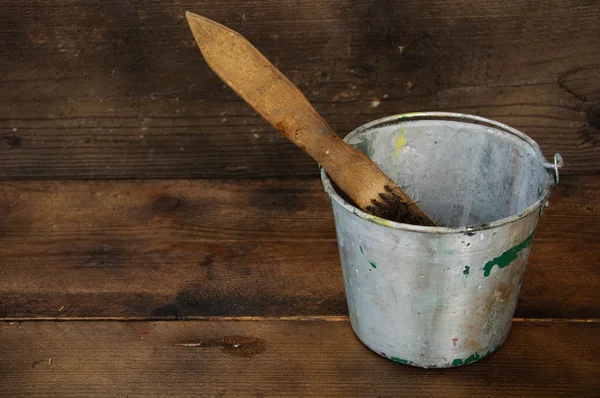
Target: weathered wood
{"x": 112, "y": 89}
{"x": 255, "y": 79}
{"x": 168, "y": 249}
{"x": 278, "y": 358}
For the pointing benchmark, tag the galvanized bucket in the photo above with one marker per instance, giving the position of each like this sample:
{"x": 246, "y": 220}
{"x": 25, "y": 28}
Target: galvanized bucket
{"x": 439, "y": 297}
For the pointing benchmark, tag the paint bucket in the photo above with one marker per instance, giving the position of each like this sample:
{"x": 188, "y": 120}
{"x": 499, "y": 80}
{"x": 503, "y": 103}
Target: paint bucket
{"x": 438, "y": 297}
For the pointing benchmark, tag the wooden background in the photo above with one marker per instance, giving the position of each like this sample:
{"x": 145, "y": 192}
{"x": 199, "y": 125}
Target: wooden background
{"x": 135, "y": 186}
{"x": 118, "y": 89}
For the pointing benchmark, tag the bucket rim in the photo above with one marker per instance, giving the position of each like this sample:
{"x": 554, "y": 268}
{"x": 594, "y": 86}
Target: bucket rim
{"x": 447, "y": 116}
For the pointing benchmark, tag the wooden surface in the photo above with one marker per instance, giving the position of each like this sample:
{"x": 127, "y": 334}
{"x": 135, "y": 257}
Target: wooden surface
{"x": 300, "y": 358}
{"x": 177, "y": 249}
{"x": 113, "y": 89}
{"x": 262, "y": 86}
{"x": 123, "y": 254}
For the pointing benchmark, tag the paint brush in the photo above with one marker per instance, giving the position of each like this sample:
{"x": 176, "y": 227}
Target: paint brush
{"x": 239, "y": 64}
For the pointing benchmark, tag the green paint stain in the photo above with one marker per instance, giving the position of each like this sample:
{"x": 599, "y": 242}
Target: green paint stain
{"x": 466, "y": 270}
{"x": 474, "y": 357}
{"x": 361, "y": 250}
{"x": 373, "y": 264}
{"x": 400, "y": 360}
{"x": 507, "y": 257}
{"x": 408, "y": 115}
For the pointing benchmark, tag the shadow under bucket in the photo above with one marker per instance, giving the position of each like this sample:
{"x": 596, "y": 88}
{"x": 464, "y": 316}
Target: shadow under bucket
{"x": 444, "y": 296}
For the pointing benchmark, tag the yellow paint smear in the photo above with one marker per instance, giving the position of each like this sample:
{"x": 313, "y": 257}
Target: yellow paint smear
{"x": 400, "y": 142}
{"x": 378, "y": 220}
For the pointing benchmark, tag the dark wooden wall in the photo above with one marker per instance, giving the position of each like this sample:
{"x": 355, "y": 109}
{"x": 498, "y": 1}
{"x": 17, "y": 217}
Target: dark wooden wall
{"x": 117, "y": 89}
{"x": 195, "y": 222}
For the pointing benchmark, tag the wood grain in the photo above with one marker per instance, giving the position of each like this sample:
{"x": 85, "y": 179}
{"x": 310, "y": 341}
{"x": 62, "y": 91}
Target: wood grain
{"x": 255, "y": 79}
{"x": 185, "y": 249}
{"x": 112, "y": 89}
{"x": 278, "y": 358}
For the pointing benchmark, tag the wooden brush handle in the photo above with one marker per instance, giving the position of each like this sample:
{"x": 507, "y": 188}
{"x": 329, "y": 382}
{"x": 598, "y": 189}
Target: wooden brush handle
{"x": 282, "y": 104}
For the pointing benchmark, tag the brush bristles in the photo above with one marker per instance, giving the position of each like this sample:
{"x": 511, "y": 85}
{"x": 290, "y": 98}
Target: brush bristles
{"x": 392, "y": 206}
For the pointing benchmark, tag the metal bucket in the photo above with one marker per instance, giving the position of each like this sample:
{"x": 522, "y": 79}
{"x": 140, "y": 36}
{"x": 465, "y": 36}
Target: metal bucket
{"x": 439, "y": 297}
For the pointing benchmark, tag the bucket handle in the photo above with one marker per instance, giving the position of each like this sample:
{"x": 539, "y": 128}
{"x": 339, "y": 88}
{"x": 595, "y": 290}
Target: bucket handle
{"x": 557, "y": 164}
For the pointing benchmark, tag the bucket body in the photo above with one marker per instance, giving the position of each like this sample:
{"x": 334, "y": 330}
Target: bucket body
{"x": 442, "y": 296}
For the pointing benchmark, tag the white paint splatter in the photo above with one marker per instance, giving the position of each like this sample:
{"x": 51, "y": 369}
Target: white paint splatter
{"x": 375, "y": 103}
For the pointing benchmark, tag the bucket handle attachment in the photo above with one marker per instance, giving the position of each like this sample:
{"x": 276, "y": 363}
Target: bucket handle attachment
{"x": 557, "y": 164}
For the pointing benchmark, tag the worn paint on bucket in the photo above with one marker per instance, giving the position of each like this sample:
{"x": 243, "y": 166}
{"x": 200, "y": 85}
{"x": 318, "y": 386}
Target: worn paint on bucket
{"x": 442, "y": 296}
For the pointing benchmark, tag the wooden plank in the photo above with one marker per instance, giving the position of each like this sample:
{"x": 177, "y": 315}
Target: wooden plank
{"x": 180, "y": 249}
{"x": 117, "y": 89}
{"x": 278, "y": 358}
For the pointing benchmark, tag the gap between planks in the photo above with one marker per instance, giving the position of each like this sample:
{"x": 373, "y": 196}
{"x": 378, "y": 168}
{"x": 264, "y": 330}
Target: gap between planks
{"x": 335, "y": 318}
